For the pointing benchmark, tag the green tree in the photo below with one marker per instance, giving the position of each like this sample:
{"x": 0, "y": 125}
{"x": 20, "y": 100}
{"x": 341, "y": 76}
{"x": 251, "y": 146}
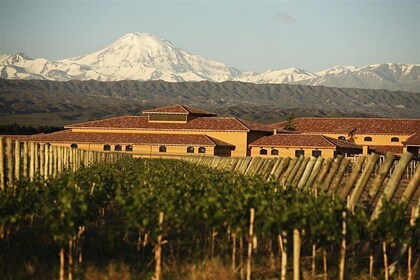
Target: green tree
{"x": 290, "y": 125}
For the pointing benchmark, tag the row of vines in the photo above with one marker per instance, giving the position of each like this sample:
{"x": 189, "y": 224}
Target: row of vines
{"x": 153, "y": 212}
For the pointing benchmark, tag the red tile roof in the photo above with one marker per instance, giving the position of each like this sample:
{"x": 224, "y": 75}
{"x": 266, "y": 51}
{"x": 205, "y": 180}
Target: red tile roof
{"x": 303, "y": 140}
{"x": 179, "y": 109}
{"x": 383, "y": 149}
{"x": 362, "y": 125}
{"x": 68, "y": 136}
{"x": 413, "y": 140}
{"x": 201, "y": 123}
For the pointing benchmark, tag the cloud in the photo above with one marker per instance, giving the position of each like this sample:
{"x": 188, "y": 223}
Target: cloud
{"x": 283, "y": 18}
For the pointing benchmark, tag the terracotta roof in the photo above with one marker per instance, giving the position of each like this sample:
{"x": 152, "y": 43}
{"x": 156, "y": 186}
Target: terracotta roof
{"x": 220, "y": 142}
{"x": 302, "y": 140}
{"x": 179, "y": 109}
{"x": 362, "y": 125}
{"x": 343, "y": 143}
{"x": 383, "y": 149}
{"x": 68, "y": 136}
{"x": 201, "y": 123}
{"x": 16, "y": 137}
{"x": 413, "y": 140}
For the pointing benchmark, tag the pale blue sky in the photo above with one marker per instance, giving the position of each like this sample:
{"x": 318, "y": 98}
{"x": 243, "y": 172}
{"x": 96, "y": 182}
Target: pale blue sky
{"x": 249, "y": 35}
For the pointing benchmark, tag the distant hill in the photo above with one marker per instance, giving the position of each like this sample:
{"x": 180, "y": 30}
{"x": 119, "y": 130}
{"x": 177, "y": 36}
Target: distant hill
{"x": 41, "y": 102}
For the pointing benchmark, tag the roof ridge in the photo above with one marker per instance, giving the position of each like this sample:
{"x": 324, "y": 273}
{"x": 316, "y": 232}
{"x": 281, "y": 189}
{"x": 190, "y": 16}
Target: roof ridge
{"x": 328, "y": 140}
{"x": 240, "y": 121}
{"x": 358, "y": 118}
{"x": 112, "y": 118}
{"x": 183, "y": 107}
{"x": 208, "y": 137}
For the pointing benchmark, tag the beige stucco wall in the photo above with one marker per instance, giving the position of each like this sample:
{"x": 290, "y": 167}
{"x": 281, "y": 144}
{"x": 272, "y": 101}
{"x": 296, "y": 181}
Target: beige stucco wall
{"x": 377, "y": 140}
{"x": 145, "y": 150}
{"x": 290, "y": 152}
{"x": 236, "y": 138}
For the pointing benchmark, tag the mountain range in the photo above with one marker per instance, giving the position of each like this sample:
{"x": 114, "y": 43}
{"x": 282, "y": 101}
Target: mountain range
{"x": 144, "y": 57}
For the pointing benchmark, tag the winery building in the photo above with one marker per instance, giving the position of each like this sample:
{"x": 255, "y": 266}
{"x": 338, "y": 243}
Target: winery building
{"x": 180, "y": 130}
{"x": 167, "y": 131}
{"x": 379, "y": 135}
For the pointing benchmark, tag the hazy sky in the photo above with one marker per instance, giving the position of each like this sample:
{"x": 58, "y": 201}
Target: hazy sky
{"x": 249, "y": 35}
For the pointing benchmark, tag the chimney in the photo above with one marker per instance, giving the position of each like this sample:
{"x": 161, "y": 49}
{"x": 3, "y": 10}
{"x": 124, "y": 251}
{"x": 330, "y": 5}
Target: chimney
{"x": 275, "y": 131}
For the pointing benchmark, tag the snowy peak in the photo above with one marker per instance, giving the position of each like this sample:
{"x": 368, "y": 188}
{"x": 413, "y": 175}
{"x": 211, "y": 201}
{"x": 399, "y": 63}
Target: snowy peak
{"x": 144, "y": 56}
{"x": 336, "y": 69}
{"x": 14, "y": 58}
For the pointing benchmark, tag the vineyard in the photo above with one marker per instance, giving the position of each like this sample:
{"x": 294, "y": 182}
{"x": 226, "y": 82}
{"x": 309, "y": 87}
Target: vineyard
{"x": 64, "y": 211}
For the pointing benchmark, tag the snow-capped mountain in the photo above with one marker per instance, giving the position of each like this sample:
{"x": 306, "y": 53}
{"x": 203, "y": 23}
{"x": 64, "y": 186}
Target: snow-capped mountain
{"x": 138, "y": 56}
{"x": 285, "y": 76}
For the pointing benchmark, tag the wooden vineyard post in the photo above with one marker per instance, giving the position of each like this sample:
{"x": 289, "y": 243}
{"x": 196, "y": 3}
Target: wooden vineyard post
{"x": 393, "y": 182}
{"x": 321, "y": 176}
{"x": 62, "y": 263}
{"x": 36, "y": 160}
{"x": 241, "y": 257}
{"x": 296, "y": 254}
{"x": 41, "y": 160}
{"x": 47, "y": 161}
{"x": 363, "y": 180}
{"x": 60, "y": 159}
{"x": 307, "y": 172}
{"x": 343, "y": 248}
{"x": 50, "y": 161}
{"x": 2, "y": 181}
{"x": 324, "y": 262}
{"x": 282, "y": 240}
{"x": 289, "y": 169}
{"x": 158, "y": 250}
{"x": 250, "y": 239}
{"x": 294, "y": 171}
{"x": 339, "y": 176}
{"x": 9, "y": 155}
{"x": 279, "y": 171}
{"x": 313, "y": 266}
{"x": 234, "y": 252}
{"x": 385, "y": 260}
{"x": 411, "y": 188}
{"x": 55, "y": 161}
{"x": 32, "y": 161}
{"x": 314, "y": 173}
{"x": 352, "y": 178}
{"x": 70, "y": 260}
{"x": 383, "y": 172}
{"x": 300, "y": 171}
{"x": 331, "y": 173}
{"x": 25, "y": 159}
{"x": 17, "y": 160}
{"x": 414, "y": 215}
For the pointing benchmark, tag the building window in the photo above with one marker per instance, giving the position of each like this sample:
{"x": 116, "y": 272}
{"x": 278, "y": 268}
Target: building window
{"x": 190, "y": 150}
{"x": 107, "y": 147}
{"x": 342, "y": 137}
{"x": 202, "y": 150}
{"x": 368, "y": 139}
{"x": 118, "y": 148}
{"x": 162, "y": 149}
{"x": 299, "y": 153}
{"x": 395, "y": 139}
{"x": 74, "y": 145}
{"x": 274, "y": 152}
{"x": 316, "y": 153}
{"x": 128, "y": 148}
{"x": 263, "y": 151}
